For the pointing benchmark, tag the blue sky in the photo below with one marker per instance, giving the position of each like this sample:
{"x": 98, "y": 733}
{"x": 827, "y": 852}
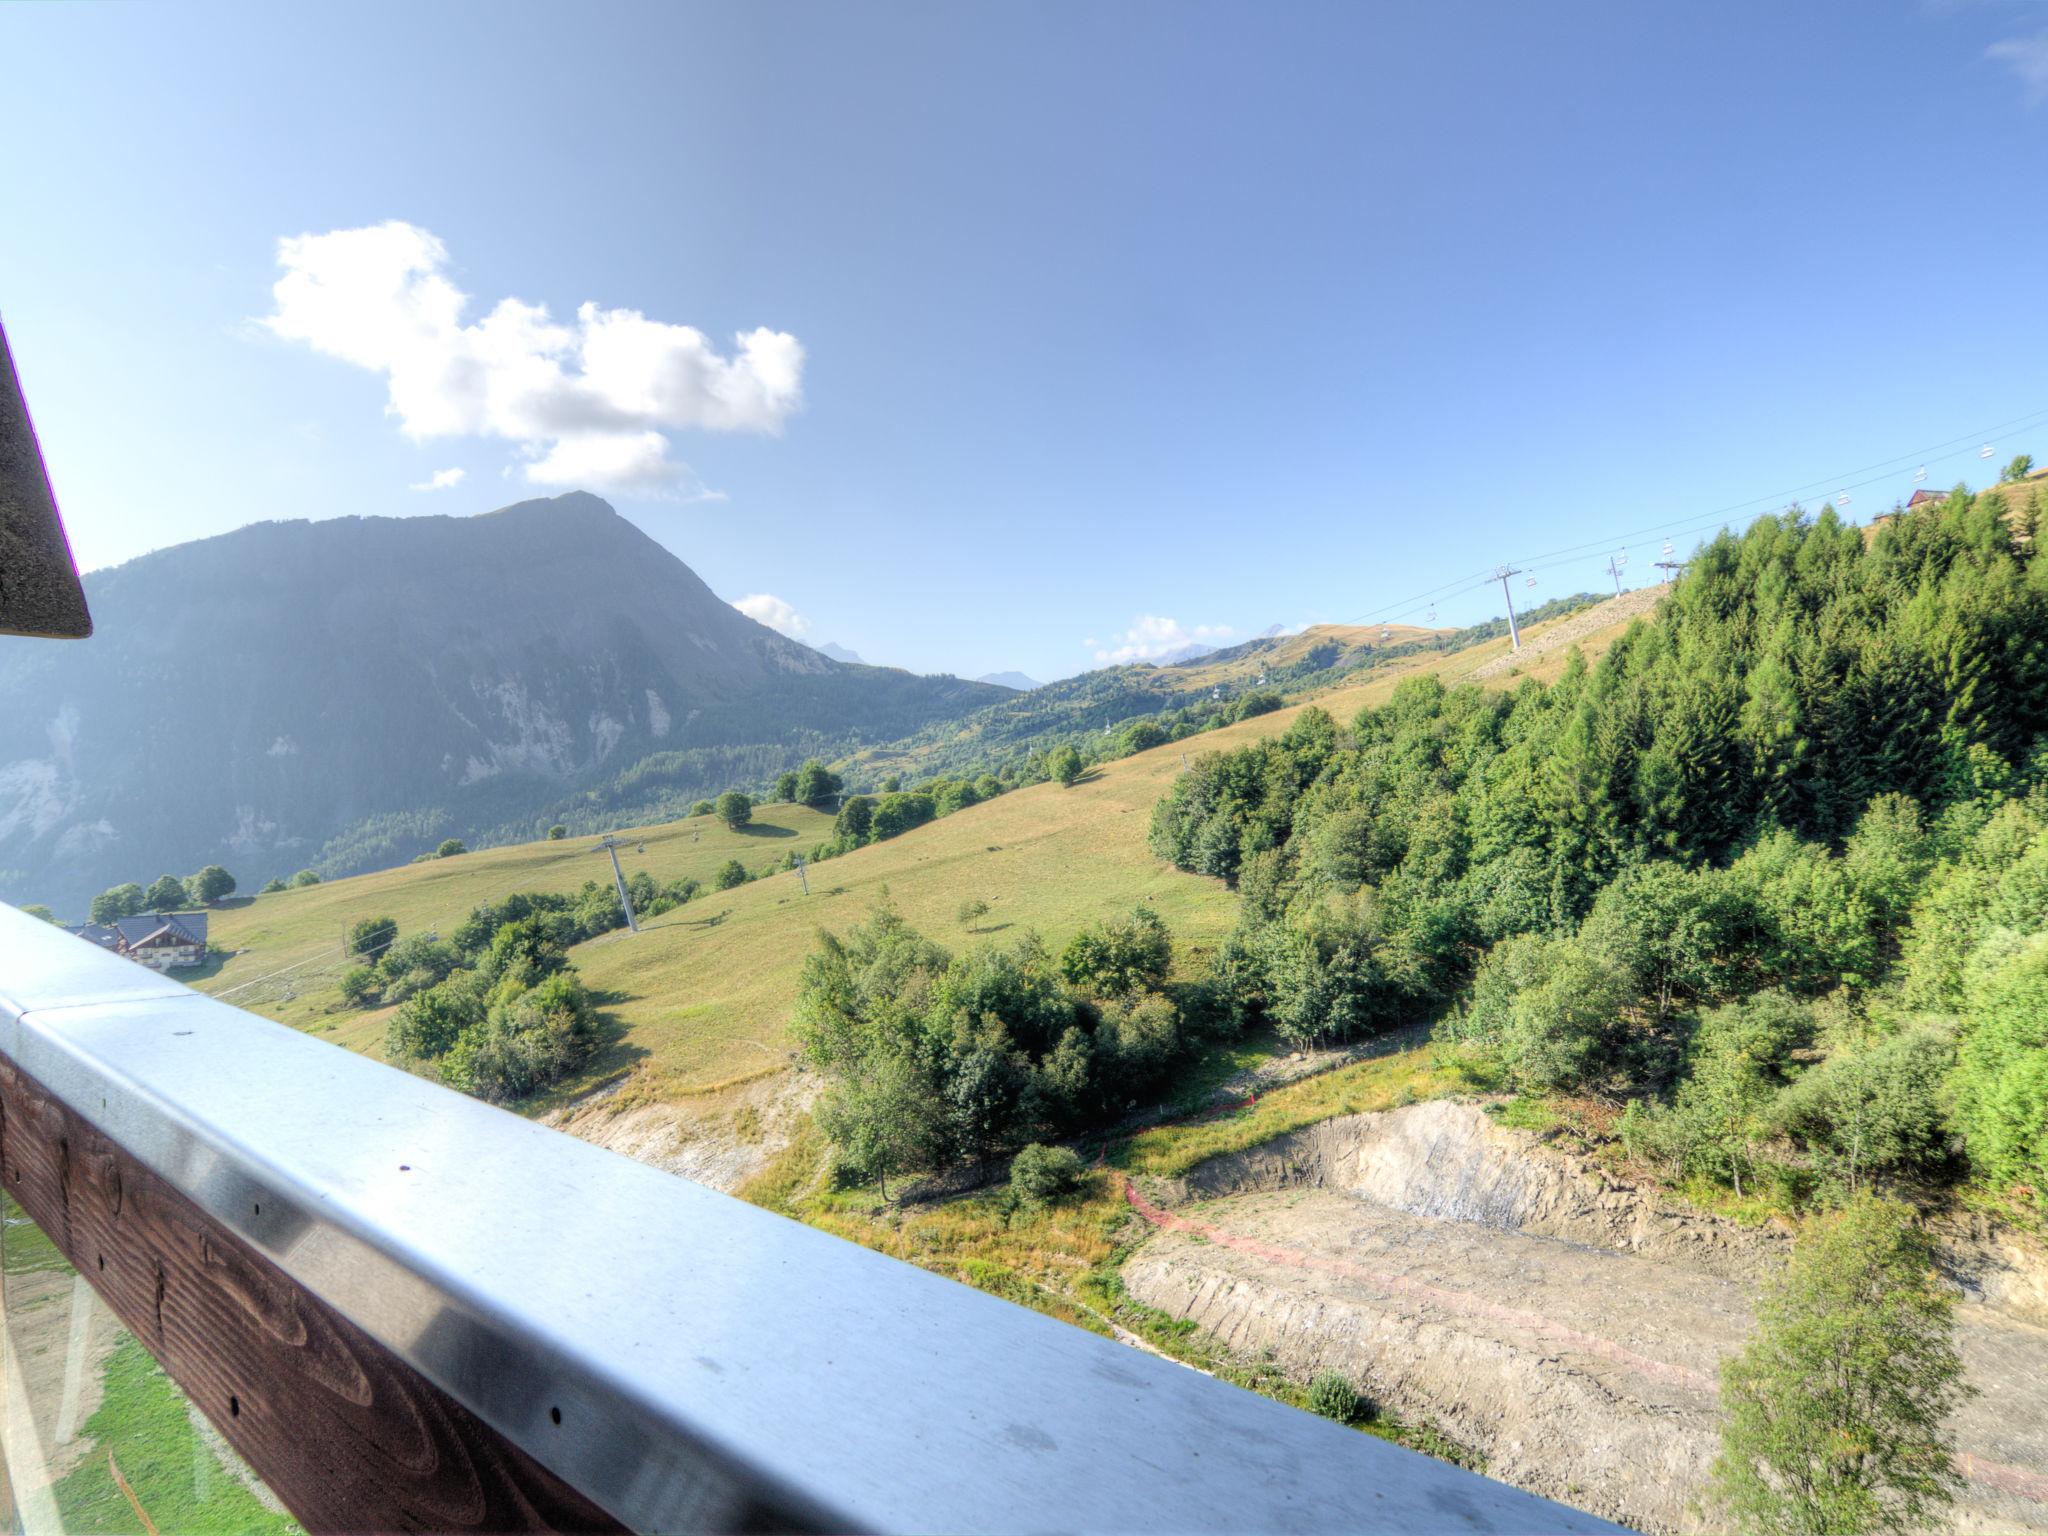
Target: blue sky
{"x": 1074, "y": 328}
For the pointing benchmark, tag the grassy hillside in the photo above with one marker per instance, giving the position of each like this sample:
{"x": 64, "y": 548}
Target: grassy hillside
{"x": 703, "y": 992}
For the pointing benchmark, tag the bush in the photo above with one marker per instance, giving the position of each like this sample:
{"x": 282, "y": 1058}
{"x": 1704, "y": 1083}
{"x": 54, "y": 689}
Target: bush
{"x": 450, "y": 847}
{"x": 305, "y": 877}
{"x": 358, "y": 985}
{"x": 1117, "y": 958}
{"x": 166, "y": 894}
{"x": 117, "y": 901}
{"x": 1335, "y": 1398}
{"x": 557, "y": 832}
{"x": 526, "y": 1044}
{"x": 210, "y": 885}
{"x": 731, "y": 873}
{"x": 972, "y": 912}
{"x": 2001, "y": 1080}
{"x": 1835, "y": 1410}
{"x": 372, "y": 936}
{"x": 1042, "y": 1175}
{"x": 701, "y": 808}
{"x": 1064, "y": 764}
{"x": 273, "y": 888}
{"x": 2019, "y": 468}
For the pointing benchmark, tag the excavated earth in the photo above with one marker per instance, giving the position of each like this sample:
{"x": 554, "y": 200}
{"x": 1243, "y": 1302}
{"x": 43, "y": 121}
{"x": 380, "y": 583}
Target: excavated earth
{"x": 1567, "y": 1326}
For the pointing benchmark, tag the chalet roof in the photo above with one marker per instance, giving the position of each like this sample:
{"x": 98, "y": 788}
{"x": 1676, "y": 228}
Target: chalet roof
{"x": 102, "y": 934}
{"x": 1923, "y": 496}
{"x": 185, "y": 927}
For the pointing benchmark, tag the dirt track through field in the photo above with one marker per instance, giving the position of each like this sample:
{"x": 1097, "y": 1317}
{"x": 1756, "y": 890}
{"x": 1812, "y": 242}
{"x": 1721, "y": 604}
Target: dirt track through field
{"x": 1582, "y": 1370}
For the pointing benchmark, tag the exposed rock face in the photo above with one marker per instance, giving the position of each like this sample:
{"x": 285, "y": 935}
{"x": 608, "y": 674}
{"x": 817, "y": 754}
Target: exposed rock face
{"x": 1448, "y": 1160}
{"x": 1569, "y": 1328}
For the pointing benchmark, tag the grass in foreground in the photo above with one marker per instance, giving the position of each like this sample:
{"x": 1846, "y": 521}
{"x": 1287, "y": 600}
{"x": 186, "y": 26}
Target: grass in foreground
{"x": 179, "y": 1481}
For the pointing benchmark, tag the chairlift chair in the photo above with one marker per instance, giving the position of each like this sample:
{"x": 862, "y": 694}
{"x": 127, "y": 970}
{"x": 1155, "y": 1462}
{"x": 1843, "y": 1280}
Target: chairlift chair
{"x": 1984, "y": 452}
{"x": 1920, "y": 474}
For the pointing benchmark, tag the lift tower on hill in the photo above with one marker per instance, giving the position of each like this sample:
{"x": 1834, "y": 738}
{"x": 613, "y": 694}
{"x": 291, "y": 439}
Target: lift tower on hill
{"x": 611, "y": 846}
{"x": 1501, "y": 573}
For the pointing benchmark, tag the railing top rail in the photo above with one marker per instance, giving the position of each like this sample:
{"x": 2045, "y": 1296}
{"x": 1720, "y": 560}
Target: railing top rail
{"x": 675, "y": 1354}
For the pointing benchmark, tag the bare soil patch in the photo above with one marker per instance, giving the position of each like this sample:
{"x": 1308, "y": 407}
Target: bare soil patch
{"x": 1568, "y": 1327}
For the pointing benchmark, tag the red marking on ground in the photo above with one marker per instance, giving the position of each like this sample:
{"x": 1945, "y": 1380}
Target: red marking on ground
{"x": 1992, "y": 1474}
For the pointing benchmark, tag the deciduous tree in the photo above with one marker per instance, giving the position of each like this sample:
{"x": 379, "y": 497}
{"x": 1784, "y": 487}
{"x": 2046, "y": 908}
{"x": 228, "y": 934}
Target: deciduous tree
{"x": 1835, "y": 1409}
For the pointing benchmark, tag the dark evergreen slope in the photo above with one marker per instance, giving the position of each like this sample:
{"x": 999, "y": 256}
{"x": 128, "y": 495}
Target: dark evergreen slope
{"x": 343, "y": 693}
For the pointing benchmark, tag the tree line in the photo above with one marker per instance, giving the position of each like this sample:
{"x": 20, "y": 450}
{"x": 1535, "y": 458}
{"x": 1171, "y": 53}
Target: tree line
{"x": 1773, "y": 873}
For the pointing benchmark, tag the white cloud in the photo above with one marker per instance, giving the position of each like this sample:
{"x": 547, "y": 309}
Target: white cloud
{"x": 1150, "y": 637}
{"x": 763, "y": 608}
{"x": 587, "y": 403}
{"x": 441, "y": 480}
{"x": 2028, "y": 58}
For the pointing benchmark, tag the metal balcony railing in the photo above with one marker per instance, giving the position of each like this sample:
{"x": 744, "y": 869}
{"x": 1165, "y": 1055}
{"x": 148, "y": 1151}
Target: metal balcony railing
{"x": 410, "y": 1310}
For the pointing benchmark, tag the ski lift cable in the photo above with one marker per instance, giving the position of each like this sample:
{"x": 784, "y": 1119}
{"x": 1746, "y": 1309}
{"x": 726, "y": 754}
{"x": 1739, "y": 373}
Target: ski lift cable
{"x": 1840, "y": 482}
{"x": 1572, "y": 556}
{"x": 1884, "y": 468}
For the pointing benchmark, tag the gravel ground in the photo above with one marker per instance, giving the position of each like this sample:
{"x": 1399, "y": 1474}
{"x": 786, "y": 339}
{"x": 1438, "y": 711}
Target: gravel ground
{"x": 1582, "y": 1365}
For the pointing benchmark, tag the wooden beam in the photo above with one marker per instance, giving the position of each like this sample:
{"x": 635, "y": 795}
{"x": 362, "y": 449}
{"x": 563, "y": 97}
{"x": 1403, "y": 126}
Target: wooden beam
{"x": 346, "y": 1434}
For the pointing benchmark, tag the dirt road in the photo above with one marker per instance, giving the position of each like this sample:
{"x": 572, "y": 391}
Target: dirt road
{"x": 1583, "y": 1367}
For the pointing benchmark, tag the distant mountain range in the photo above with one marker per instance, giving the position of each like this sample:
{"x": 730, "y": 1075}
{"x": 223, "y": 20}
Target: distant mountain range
{"x": 839, "y": 652}
{"x": 343, "y": 694}
{"x": 1016, "y": 680}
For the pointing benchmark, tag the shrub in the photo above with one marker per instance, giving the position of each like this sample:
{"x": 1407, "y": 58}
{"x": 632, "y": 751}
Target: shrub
{"x": 117, "y": 901}
{"x": 972, "y": 912}
{"x": 273, "y": 888}
{"x": 735, "y": 809}
{"x": 1064, "y": 764}
{"x": 2001, "y": 1080}
{"x": 166, "y": 894}
{"x": 731, "y": 873}
{"x": 856, "y": 816}
{"x": 557, "y": 832}
{"x": 1042, "y": 1175}
{"x": 371, "y": 936}
{"x": 1335, "y": 1398}
{"x": 210, "y": 885}
{"x": 701, "y": 808}
{"x": 1835, "y": 1408}
{"x": 449, "y": 847}
{"x": 358, "y": 985}
{"x": 1119, "y": 957}
{"x": 305, "y": 877}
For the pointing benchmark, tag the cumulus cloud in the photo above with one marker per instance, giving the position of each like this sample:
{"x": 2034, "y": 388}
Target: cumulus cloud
{"x": 2027, "y": 57}
{"x": 441, "y": 480}
{"x": 764, "y": 608}
{"x": 587, "y": 402}
{"x": 1152, "y": 638}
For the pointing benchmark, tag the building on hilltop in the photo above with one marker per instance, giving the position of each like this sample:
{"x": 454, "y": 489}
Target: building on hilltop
{"x": 163, "y": 941}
